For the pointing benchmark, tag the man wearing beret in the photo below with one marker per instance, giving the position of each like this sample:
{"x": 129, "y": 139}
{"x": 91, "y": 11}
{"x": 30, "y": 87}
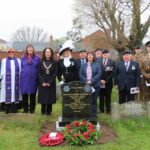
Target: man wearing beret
{"x": 127, "y": 77}
{"x": 145, "y": 69}
{"x": 98, "y": 54}
{"x": 138, "y": 57}
{"x": 107, "y": 67}
{"x": 81, "y": 60}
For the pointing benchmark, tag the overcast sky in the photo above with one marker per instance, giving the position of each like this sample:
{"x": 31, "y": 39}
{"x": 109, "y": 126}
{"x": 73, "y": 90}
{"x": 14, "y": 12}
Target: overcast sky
{"x": 54, "y": 16}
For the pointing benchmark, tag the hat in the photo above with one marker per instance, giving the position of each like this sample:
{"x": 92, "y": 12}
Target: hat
{"x": 127, "y": 52}
{"x": 105, "y": 51}
{"x": 98, "y": 49}
{"x": 83, "y": 50}
{"x": 147, "y": 44}
{"x": 68, "y": 45}
{"x": 137, "y": 46}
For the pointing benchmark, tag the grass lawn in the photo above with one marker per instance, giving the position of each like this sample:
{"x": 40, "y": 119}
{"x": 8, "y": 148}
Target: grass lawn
{"x": 21, "y": 132}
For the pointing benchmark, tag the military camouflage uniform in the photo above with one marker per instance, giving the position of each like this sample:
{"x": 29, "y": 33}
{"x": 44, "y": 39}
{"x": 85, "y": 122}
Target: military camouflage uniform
{"x": 139, "y": 58}
{"x": 145, "y": 70}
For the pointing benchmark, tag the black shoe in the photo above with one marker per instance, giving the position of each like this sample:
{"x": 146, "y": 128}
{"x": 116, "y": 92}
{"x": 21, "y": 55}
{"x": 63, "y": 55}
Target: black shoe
{"x": 31, "y": 112}
{"x": 25, "y": 111}
{"x": 48, "y": 114}
{"x": 108, "y": 113}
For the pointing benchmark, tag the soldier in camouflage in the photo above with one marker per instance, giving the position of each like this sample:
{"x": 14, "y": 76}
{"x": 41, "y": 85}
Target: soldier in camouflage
{"x": 138, "y": 57}
{"x": 145, "y": 70}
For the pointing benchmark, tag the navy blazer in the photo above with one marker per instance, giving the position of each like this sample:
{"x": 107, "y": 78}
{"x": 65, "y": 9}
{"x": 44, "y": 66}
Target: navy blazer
{"x": 129, "y": 78}
{"x": 96, "y": 74}
{"x": 107, "y": 72}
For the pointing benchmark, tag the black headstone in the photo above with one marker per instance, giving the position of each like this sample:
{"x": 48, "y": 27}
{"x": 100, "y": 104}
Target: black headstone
{"x": 76, "y": 101}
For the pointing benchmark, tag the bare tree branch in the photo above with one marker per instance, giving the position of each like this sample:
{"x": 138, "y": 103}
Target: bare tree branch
{"x": 29, "y": 35}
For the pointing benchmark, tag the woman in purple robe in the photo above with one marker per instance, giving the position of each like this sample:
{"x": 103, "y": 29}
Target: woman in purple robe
{"x": 10, "y": 95}
{"x": 29, "y": 79}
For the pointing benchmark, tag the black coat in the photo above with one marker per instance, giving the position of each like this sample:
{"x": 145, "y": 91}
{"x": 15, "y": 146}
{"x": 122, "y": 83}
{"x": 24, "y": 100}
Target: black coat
{"x": 129, "y": 78}
{"x": 69, "y": 73}
{"x": 79, "y": 64}
{"x": 47, "y": 95}
{"x": 107, "y": 72}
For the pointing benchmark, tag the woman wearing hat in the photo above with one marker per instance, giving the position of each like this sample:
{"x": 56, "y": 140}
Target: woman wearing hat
{"x": 10, "y": 81}
{"x": 67, "y": 69}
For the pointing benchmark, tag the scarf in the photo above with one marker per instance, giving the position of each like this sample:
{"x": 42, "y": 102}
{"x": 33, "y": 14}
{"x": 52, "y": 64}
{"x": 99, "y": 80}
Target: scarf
{"x": 29, "y": 58}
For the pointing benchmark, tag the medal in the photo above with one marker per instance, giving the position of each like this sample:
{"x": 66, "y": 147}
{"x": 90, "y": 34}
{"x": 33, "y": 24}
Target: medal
{"x": 47, "y": 68}
{"x": 47, "y": 71}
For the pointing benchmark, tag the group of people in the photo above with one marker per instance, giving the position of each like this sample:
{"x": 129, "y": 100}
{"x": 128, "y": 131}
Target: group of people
{"x": 21, "y": 79}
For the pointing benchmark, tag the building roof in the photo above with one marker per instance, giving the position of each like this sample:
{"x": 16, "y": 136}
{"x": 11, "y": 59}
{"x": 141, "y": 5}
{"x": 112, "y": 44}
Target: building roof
{"x": 2, "y": 41}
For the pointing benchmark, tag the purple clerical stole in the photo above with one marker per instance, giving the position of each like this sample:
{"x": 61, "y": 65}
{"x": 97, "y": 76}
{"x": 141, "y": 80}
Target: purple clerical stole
{"x": 8, "y": 80}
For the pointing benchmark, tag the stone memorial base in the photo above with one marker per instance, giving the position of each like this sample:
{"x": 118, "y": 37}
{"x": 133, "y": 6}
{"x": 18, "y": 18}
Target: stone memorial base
{"x": 60, "y": 124}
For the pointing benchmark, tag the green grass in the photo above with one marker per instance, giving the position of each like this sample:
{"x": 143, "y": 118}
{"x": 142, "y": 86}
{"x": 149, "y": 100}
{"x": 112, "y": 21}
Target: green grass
{"x": 21, "y": 132}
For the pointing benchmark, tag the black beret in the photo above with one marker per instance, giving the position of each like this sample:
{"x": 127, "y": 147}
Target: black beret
{"x": 98, "y": 49}
{"x": 127, "y": 52}
{"x": 105, "y": 51}
{"x": 83, "y": 50}
{"x": 147, "y": 44}
{"x": 138, "y": 46}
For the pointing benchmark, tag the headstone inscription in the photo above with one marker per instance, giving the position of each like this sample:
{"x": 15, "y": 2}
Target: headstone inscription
{"x": 76, "y": 101}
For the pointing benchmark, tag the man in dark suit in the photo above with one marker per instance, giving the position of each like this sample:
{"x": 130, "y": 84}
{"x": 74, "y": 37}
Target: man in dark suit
{"x": 107, "y": 66}
{"x": 81, "y": 60}
{"x": 127, "y": 76}
{"x": 98, "y": 53}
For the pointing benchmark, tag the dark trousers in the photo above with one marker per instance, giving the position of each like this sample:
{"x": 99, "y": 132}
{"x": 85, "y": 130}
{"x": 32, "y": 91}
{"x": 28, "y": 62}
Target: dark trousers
{"x": 94, "y": 101}
{"x": 125, "y": 96}
{"x": 105, "y": 100}
{"x": 10, "y": 108}
{"x": 26, "y": 106}
{"x": 2, "y": 106}
{"x": 46, "y": 109}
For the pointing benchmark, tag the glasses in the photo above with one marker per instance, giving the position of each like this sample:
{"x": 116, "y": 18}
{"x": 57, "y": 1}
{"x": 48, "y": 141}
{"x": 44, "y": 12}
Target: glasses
{"x": 12, "y": 52}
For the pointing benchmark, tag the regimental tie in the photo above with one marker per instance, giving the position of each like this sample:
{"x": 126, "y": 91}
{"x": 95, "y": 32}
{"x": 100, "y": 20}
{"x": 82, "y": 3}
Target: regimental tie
{"x": 104, "y": 61}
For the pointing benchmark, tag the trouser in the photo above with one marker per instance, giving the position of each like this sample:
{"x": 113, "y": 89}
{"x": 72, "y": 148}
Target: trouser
{"x": 2, "y": 106}
{"x": 125, "y": 96}
{"x": 94, "y": 101}
{"x": 29, "y": 107}
{"x": 105, "y": 100}
{"x": 10, "y": 108}
{"x": 46, "y": 109}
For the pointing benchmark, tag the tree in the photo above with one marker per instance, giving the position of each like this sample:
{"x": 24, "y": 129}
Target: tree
{"x": 29, "y": 35}
{"x": 122, "y": 17}
{"x": 75, "y": 33}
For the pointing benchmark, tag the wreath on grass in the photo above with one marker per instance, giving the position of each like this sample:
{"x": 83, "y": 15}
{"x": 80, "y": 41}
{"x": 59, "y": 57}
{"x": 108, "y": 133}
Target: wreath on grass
{"x": 51, "y": 139}
{"x": 81, "y": 133}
